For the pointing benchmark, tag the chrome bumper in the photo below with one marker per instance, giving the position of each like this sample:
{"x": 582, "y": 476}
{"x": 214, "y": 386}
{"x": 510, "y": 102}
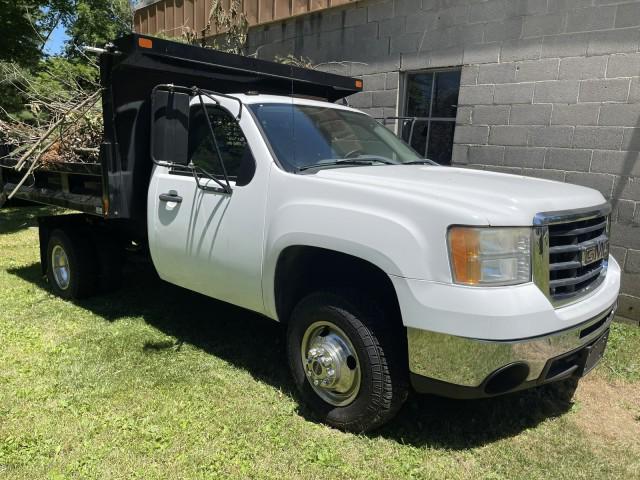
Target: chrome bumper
{"x": 468, "y": 362}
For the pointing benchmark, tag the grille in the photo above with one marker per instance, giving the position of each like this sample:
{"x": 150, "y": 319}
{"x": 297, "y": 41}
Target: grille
{"x": 574, "y": 254}
{"x": 567, "y": 242}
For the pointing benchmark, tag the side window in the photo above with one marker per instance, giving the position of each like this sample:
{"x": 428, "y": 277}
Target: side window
{"x": 232, "y": 143}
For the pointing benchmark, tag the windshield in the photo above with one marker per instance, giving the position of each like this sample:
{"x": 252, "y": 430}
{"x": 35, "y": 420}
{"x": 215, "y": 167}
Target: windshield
{"x": 308, "y": 137}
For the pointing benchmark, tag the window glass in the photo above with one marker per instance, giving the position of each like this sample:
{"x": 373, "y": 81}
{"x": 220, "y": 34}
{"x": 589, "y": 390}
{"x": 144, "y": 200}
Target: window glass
{"x": 431, "y": 106}
{"x": 304, "y": 135}
{"x": 445, "y": 94}
{"x": 419, "y": 94}
{"x": 415, "y": 133}
{"x": 284, "y": 124}
{"x": 441, "y": 141}
{"x": 231, "y": 141}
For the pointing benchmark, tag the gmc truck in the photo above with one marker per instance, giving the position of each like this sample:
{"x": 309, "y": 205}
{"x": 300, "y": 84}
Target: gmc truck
{"x": 245, "y": 181}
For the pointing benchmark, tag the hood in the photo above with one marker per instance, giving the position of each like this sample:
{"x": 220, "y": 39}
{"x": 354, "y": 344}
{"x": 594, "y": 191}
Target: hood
{"x": 501, "y": 199}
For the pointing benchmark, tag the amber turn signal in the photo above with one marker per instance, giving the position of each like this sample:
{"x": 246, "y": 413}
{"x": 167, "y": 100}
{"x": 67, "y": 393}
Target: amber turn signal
{"x": 464, "y": 244}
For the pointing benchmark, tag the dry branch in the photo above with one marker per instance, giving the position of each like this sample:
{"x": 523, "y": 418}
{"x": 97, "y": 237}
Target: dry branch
{"x": 65, "y": 124}
{"x": 63, "y": 118}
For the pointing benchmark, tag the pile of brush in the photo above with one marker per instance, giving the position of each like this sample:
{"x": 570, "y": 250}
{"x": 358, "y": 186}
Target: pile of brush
{"x": 71, "y": 134}
{"x": 61, "y": 122}
{"x": 61, "y": 125}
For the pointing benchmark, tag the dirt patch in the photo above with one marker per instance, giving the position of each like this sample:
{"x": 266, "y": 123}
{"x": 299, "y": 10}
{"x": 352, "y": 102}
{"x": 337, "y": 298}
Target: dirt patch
{"x": 609, "y": 411}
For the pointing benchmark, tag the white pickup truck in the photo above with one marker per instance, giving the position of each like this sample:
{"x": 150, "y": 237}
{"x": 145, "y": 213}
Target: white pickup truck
{"x": 388, "y": 271}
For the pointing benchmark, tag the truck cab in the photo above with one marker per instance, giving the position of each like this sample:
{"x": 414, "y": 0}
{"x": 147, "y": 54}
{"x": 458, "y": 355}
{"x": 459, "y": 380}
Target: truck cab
{"x": 388, "y": 271}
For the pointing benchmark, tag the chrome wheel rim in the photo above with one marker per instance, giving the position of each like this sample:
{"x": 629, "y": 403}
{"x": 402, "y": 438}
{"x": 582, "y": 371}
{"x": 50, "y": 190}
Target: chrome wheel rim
{"x": 60, "y": 267}
{"x": 330, "y": 363}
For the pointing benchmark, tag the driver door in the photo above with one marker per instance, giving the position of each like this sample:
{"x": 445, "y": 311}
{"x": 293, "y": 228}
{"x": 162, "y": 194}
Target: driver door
{"x": 201, "y": 237}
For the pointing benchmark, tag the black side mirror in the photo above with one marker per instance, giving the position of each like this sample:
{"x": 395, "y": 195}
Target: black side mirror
{"x": 170, "y": 126}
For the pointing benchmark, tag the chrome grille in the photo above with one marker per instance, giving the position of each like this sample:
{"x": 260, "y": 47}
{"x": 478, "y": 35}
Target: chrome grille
{"x": 571, "y": 252}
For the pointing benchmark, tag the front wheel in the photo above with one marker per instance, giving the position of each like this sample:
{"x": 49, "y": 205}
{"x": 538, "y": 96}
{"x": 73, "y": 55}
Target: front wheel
{"x": 346, "y": 360}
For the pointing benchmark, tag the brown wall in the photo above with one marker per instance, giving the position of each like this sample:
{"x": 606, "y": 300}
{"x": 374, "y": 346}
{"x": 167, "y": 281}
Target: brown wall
{"x": 172, "y": 16}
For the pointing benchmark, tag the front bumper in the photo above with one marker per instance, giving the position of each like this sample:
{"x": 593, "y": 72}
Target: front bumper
{"x": 462, "y": 367}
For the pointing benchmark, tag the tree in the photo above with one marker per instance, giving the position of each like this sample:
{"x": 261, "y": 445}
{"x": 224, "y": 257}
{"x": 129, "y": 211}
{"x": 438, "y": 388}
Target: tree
{"x": 96, "y": 22}
{"x": 232, "y": 25}
{"x": 26, "y": 26}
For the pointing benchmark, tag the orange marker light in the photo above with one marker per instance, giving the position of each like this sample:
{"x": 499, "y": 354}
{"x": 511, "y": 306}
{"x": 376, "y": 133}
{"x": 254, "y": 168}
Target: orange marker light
{"x": 145, "y": 43}
{"x": 358, "y": 83}
{"x": 464, "y": 244}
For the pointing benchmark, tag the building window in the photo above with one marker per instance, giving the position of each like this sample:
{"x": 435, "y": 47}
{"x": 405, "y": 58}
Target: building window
{"x": 430, "y": 113}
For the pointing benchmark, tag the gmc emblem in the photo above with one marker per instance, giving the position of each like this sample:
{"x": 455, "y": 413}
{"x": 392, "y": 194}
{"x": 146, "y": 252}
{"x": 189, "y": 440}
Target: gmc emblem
{"x": 595, "y": 252}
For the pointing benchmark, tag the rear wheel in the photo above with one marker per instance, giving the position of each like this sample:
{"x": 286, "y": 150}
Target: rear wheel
{"x": 71, "y": 265}
{"x": 346, "y": 360}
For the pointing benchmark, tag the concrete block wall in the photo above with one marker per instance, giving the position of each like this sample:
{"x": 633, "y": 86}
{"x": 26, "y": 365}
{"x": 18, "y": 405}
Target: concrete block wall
{"x": 565, "y": 106}
{"x": 549, "y": 88}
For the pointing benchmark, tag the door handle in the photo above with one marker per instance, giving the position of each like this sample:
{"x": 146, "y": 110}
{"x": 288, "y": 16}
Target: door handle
{"x": 172, "y": 196}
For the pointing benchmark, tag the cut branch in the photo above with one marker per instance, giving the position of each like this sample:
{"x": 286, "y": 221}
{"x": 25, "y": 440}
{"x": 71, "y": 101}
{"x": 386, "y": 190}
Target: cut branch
{"x": 92, "y": 98}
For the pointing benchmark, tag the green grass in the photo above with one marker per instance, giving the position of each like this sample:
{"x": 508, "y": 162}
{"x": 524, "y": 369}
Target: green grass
{"x": 157, "y": 382}
{"x": 623, "y": 353}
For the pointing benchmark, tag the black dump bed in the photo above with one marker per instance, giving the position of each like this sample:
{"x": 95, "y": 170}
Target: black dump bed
{"x": 116, "y": 187}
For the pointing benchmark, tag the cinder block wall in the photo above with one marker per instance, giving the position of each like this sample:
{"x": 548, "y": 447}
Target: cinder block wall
{"x": 549, "y": 88}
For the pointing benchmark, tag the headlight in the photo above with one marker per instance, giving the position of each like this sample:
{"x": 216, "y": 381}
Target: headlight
{"x": 490, "y": 256}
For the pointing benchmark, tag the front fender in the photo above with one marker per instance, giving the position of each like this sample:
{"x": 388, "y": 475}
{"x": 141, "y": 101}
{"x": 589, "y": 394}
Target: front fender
{"x": 390, "y": 242}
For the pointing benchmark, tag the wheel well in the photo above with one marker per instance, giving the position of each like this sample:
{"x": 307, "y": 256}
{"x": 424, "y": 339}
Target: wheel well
{"x": 302, "y": 270}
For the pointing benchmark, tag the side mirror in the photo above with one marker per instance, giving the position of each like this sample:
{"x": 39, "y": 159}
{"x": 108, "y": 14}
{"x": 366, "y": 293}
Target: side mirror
{"x": 170, "y": 126}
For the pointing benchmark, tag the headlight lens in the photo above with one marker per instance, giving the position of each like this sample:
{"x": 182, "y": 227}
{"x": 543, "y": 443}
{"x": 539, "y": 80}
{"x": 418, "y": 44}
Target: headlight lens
{"x": 490, "y": 256}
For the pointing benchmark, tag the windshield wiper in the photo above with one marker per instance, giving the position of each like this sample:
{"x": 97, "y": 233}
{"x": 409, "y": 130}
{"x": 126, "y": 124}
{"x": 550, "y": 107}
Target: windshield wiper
{"x": 418, "y": 162}
{"x": 372, "y": 158}
{"x": 369, "y": 160}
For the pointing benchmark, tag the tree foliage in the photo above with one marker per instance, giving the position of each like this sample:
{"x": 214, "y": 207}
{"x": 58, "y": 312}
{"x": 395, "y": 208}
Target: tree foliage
{"x": 96, "y": 22}
{"x": 26, "y": 72}
{"x": 26, "y": 26}
{"x": 233, "y": 24}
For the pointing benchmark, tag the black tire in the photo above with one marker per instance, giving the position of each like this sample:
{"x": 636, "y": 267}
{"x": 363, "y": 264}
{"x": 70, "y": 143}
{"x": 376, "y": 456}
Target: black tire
{"x": 379, "y": 348}
{"x": 82, "y": 264}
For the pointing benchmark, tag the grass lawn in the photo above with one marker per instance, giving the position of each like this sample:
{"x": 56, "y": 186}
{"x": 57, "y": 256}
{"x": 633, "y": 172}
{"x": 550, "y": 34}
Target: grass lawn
{"x": 157, "y": 382}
